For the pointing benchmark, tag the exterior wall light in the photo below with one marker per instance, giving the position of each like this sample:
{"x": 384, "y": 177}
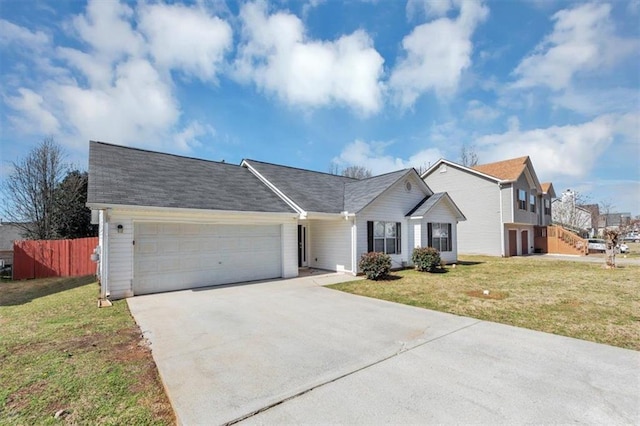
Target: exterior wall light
{"x": 120, "y": 229}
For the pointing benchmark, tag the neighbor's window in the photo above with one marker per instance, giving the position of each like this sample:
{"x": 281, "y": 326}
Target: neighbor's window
{"x": 532, "y": 203}
{"x": 384, "y": 237}
{"x": 547, "y": 207}
{"x": 522, "y": 199}
{"x": 439, "y": 236}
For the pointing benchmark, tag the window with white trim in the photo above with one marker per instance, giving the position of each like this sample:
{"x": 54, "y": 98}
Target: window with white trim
{"x": 522, "y": 199}
{"x": 532, "y": 203}
{"x": 384, "y": 237}
{"x": 439, "y": 235}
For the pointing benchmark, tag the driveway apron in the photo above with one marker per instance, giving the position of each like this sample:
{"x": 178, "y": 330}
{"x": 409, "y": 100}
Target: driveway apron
{"x": 292, "y": 351}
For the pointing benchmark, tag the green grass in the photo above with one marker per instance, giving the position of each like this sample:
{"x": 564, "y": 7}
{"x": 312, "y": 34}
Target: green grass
{"x": 580, "y": 300}
{"x": 59, "y": 351}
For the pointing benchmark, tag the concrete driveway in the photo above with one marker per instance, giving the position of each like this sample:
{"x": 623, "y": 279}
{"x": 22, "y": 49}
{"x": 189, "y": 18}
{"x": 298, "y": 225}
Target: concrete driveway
{"x": 294, "y": 352}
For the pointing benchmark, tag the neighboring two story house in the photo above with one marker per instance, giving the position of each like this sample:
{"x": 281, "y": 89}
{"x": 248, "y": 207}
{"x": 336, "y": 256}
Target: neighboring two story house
{"x": 502, "y": 201}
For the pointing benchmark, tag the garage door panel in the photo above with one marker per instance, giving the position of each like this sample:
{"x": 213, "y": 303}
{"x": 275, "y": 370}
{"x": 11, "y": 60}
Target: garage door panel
{"x": 181, "y": 256}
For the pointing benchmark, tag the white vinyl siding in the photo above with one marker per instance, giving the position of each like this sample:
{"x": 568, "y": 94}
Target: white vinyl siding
{"x": 120, "y": 256}
{"x": 391, "y": 207}
{"x": 441, "y": 213}
{"x": 330, "y": 244}
{"x": 289, "y": 249}
{"x": 119, "y": 250}
{"x": 479, "y": 200}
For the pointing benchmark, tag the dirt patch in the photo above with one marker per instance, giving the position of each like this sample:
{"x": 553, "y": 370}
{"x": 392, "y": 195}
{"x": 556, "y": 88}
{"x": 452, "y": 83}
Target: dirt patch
{"x": 483, "y": 294}
{"x": 19, "y": 400}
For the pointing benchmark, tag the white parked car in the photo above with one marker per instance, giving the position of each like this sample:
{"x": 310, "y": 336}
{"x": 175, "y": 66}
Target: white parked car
{"x": 623, "y": 248}
{"x": 597, "y": 246}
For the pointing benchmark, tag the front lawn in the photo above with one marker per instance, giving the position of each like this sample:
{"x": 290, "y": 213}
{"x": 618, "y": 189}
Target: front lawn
{"x": 59, "y": 352}
{"x": 580, "y": 300}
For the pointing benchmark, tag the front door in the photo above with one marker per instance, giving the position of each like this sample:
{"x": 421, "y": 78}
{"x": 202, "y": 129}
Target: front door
{"x": 525, "y": 242}
{"x": 302, "y": 246}
{"x": 513, "y": 242}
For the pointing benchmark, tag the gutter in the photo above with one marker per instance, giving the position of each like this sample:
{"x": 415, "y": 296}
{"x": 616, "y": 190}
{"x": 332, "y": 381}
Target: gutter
{"x": 501, "y": 222}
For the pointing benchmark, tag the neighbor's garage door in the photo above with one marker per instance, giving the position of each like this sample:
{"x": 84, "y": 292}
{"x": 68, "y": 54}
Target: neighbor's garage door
{"x": 175, "y": 256}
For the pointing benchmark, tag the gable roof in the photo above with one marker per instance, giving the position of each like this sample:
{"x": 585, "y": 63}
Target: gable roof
{"x": 509, "y": 170}
{"x": 547, "y": 188}
{"x": 319, "y": 192}
{"x": 361, "y": 193}
{"x": 121, "y": 175}
{"x": 431, "y": 201}
{"x": 307, "y": 189}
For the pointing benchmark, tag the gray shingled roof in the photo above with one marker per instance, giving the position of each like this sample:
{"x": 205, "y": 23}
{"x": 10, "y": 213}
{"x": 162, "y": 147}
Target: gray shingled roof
{"x": 323, "y": 192}
{"x": 130, "y": 176}
{"x": 426, "y": 204}
{"x": 312, "y": 191}
{"x": 360, "y": 193}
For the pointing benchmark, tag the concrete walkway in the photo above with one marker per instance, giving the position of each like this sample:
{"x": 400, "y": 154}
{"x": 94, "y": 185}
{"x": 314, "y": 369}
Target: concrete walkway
{"x": 293, "y": 352}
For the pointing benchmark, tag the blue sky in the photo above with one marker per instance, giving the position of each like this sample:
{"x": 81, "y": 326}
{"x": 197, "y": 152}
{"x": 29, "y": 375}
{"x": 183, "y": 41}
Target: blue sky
{"x": 383, "y": 84}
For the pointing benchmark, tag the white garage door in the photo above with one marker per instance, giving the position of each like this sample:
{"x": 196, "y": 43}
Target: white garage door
{"x": 177, "y": 256}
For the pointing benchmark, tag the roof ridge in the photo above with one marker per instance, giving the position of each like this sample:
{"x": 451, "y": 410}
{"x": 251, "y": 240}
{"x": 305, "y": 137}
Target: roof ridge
{"x": 301, "y": 169}
{"x": 523, "y": 158}
{"x": 133, "y": 148}
{"x": 407, "y": 170}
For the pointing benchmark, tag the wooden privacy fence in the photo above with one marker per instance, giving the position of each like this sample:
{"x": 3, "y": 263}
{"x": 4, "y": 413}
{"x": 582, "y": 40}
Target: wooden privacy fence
{"x": 53, "y": 258}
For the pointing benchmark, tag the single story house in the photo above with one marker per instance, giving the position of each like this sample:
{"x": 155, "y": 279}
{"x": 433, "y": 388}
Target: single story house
{"x": 169, "y": 222}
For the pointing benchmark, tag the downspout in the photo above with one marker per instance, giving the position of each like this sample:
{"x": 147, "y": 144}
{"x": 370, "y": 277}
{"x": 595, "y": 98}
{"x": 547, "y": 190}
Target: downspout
{"x": 501, "y": 222}
{"x": 104, "y": 256}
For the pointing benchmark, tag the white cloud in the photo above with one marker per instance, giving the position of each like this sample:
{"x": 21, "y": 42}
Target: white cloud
{"x": 11, "y": 33}
{"x": 107, "y": 29}
{"x": 187, "y": 138}
{"x": 428, "y": 8}
{"x": 480, "y": 112}
{"x": 33, "y": 116}
{"x": 582, "y": 40}
{"x": 186, "y": 38}
{"x": 593, "y": 101}
{"x": 279, "y": 58}
{"x": 372, "y": 156}
{"x": 557, "y": 151}
{"x": 116, "y": 87}
{"x": 437, "y": 53}
{"x": 138, "y": 108}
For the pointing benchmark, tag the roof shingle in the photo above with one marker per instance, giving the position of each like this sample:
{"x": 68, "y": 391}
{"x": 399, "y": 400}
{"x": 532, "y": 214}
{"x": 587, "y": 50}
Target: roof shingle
{"x": 509, "y": 170}
{"x": 130, "y": 176}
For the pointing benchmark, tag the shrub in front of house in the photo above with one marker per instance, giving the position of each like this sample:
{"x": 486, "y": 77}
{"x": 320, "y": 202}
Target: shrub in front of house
{"x": 426, "y": 259}
{"x": 375, "y": 265}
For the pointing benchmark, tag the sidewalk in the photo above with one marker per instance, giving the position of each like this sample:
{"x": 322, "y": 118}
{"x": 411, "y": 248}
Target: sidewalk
{"x": 591, "y": 258}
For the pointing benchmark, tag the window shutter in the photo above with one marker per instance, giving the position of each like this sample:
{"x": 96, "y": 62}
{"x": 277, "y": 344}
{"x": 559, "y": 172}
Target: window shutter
{"x": 450, "y": 244}
{"x": 429, "y": 235}
{"x": 369, "y": 236}
{"x": 398, "y": 238}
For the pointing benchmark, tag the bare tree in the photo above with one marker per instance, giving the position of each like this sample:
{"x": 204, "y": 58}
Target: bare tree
{"x": 568, "y": 212}
{"x": 468, "y": 156}
{"x": 606, "y": 208}
{"x": 334, "y": 169}
{"x": 357, "y": 172}
{"x": 30, "y": 190}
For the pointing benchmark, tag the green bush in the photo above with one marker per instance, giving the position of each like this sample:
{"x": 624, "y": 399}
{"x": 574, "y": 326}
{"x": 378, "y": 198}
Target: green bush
{"x": 426, "y": 259}
{"x": 375, "y": 265}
